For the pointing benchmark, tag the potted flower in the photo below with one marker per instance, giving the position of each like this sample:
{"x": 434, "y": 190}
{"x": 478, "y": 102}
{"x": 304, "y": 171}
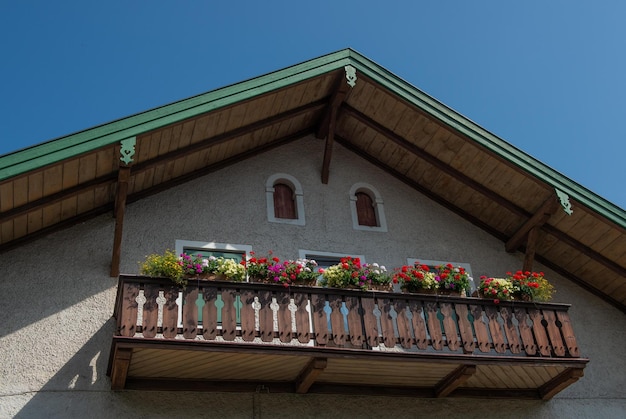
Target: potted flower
{"x": 293, "y": 272}
{"x": 417, "y": 278}
{"x": 344, "y": 274}
{"x": 452, "y": 279}
{"x": 230, "y": 269}
{"x": 258, "y": 267}
{"x": 530, "y": 286}
{"x": 166, "y": 266}
{"x": 496, "y": 288}
{"x": 376, "y": 277}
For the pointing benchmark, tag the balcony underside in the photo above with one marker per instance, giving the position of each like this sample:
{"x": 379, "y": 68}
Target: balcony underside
{"x": 354, "y": 343}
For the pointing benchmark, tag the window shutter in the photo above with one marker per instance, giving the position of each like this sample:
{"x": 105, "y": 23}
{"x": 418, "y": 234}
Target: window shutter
{"x": 365, "y": 210}
{"x": 284, "y": 204}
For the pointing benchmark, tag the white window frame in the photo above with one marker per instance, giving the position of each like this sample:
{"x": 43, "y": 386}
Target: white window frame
{"x": 312, "y": 254}
{"x": 379, "y": 208}
{"x": 299, "y": 199}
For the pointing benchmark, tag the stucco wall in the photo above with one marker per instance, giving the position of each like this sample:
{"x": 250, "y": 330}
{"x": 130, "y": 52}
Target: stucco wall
{"x": 56, "y": 325}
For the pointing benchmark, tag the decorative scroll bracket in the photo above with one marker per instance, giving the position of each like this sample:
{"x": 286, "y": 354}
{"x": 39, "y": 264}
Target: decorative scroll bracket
{"x": 564, "y": 199}
{"x": 350, "y": 75}
{"x": 127, "y": 150}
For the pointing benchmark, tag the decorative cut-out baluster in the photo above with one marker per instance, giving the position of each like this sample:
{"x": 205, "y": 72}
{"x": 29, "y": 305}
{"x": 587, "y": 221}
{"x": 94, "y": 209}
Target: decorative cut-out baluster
{"x": 229, "y": 315}
{"x": 568, "y": 333}
{"x": 337, "y": 320}
{"x": 209, "y": 313}
{"x": 419, "y": 324}
{"x": 320, "y": 322}
{"x": 512, "y": 335}
{"x": 403, "y": 324}
{"x": 190, "y": 312}
{"x": 386, "y": 322}
{"x": 266, "y": 316}
{"x": 449, "y": 325}
{"x": 170, "y": 312}
{"x": 480, "y": 328}
{"x": 465, "y": 327}
{"x": 284, "y": 317}
{"x": 303, "y": 325}
{"x": 247, "y": 316}
{"x": 355, "y": 328}
{"x": 539, "y": 331}
{"x": 554, "y": 333}
{"x": 370, "y": 323}
{"x": 495, "y": 329}
{"x": 434, "y": 325}
{"x": 526, "y": 334}
{"x": 129, "y": 310}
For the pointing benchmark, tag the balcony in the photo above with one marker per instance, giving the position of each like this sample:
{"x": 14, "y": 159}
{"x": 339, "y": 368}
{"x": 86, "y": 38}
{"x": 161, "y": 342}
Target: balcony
{"x": 226, "y": 336}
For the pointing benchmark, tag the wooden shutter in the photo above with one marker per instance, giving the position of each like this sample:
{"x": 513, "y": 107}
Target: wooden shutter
{"x": 284, "y": 204}
{"x": 365, "y": 210}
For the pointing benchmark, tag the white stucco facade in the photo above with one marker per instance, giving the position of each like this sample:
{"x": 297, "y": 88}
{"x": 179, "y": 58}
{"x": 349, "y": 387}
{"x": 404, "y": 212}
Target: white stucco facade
{"x": 58, "y": 299}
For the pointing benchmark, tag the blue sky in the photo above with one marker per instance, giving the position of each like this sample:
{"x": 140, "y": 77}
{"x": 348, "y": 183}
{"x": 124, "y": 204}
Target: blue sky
{"x": 548, "y": 77}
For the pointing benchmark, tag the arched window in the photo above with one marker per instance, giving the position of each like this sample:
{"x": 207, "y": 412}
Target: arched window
{"x": 285, "y": 202}
{"x": 367, "y": 209}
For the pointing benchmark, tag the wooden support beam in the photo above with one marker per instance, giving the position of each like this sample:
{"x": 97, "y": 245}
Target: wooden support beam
{"x": 453, "y": 380}
{"x": 119, "y": 369}
{"x": 120, "y": 208}
{"x": 539, "y": 218}
{"x": 309, "y": 374}
{"x": 326, "y": 127}
{"x": 558, "y": 383}
{"x": 531, "y": 246}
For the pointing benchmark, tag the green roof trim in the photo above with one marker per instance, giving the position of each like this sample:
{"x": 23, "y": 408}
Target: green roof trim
{"x": 65, "y": 147}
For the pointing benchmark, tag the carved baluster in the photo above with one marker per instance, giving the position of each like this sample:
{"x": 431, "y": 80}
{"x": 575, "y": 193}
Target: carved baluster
{"x": 449, "y": 325}
{"x": 540, "y": 332}
{"x": 495, "y": 329}
{"x": 303, "y": 326}
{"x": 512, "y": 335}
{"x": 128, "y": 315}
{"x": 284, "y": 317}
{"x": 480, "y": 328}
{"x": 554, "y": 332}
{"x": 419, "y": 326}
{"x": 229, "y": 315}
{"x": 336, "y": 320}
{"x": 209, "y": 313}
{"x": 386, "y": 322}
{"x": 170, "y": 312}
{"x": 355, "y": 326}
{"x": 150, "y": 310}
{"x": 404, "y": 325}
{"x": 266, "y": 316}
{"x": 190, "y": 312}
{"x": 465, "y": 328}
{"x": 369, "y": 322}
{"x": 247, "y": 316}
{"x": 525, "y": 331}
{"x": 568, "y": 333}
{"x": 434, "y": 327}
{"x": 320, "y": 322}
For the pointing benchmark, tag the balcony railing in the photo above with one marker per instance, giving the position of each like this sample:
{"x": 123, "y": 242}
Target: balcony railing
{"x": 471, "y": 338}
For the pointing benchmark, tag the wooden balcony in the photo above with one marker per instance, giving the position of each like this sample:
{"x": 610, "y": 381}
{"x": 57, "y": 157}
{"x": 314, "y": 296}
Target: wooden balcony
{"x": 226, "y": 336}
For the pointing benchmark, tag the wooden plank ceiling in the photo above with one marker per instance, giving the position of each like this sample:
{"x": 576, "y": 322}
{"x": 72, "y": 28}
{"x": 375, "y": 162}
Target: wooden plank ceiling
{"x": 374, "y": 122}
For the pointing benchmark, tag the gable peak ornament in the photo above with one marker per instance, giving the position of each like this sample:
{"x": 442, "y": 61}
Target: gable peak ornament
{"x": 350, "y": 75}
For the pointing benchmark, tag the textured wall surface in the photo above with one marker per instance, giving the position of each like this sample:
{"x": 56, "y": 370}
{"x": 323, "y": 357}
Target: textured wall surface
{"x": 56, "y": 326}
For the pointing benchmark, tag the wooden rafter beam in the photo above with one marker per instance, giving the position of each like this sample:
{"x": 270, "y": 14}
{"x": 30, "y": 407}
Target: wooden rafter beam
{"x": 309, "y": 374}
{"x": 539, "y": 218}
{"x": 453, "y": 380}
{"x": 326, "y": 127}
{"x": 561, "y": 381}
{"x": 531, "y": 248}
{"x": 120, "y": 208}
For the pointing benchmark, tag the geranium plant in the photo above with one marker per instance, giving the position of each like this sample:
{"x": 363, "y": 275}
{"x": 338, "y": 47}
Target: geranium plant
{"x": 288, "y": 272}
{"x": 531, "y": 286}
{"x": 345, "y": 274}
{"x": 416, "y": 278}
{"x": 452, "y": 278}
{"x": 258, "y": 267}
{"x": 376, "y": 277}
{"x": 496, "y": 288}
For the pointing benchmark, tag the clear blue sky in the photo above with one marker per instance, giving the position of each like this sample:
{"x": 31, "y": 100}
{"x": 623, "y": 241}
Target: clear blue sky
{"x": 549, "y": 77}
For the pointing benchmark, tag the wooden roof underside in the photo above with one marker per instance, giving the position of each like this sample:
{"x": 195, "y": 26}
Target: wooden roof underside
{"x": 382, "y": 119}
